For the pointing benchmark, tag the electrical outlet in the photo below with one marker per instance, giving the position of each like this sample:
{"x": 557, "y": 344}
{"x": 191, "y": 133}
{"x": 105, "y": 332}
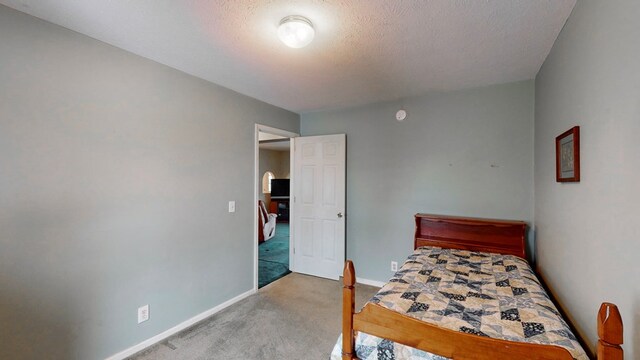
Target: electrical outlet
{"x": 232, "y": 206}
{"x": 394, "y": 266}
{"x": 143, "y": 313}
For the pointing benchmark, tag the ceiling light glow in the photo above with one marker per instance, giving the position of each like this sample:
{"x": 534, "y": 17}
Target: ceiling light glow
{"x": 296, "y": 31}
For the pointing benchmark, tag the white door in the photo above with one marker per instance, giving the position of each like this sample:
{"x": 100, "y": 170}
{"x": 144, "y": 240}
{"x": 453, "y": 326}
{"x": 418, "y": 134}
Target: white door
{"x": 319, "y": 211}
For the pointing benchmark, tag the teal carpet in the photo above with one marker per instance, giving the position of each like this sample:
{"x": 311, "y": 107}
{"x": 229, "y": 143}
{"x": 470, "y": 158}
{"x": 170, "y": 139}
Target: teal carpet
{"x": 273, "y": 256}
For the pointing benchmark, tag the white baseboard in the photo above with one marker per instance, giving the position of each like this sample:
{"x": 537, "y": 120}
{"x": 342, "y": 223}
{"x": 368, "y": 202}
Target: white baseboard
{"x": 370, "y": 282}
{"x": 183, "y": 325}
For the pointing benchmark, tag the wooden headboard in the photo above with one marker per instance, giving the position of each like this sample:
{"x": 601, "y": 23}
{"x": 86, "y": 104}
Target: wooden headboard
{"x": 455, "y": 232}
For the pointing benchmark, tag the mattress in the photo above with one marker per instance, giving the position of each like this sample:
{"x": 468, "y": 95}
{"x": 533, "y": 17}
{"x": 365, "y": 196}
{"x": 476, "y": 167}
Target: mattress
{"x": 486, "y": 294}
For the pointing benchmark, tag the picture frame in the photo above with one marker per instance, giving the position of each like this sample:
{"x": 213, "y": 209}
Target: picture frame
{"x": 568, "y": 155}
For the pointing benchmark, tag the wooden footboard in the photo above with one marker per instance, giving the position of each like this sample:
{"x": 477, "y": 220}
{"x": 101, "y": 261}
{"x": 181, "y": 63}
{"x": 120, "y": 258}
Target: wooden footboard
{"x": 388, "y": 324}
{"x": 609, "y": 333}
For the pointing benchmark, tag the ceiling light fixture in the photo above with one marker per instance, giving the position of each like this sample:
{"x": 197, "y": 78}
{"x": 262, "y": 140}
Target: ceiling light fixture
{"x": 296, "y": 31}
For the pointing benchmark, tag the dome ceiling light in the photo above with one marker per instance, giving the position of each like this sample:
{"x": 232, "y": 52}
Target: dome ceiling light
{"x": 296, "y": 31}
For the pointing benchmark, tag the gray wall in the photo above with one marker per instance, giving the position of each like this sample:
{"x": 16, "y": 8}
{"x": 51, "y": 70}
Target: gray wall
{"x": 464, "y": 153}
{"x": 115, "y": 173}
{"x": 587, "y": 232}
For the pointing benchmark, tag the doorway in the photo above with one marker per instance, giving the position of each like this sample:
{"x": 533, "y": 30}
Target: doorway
{"x": 273, "y": 243}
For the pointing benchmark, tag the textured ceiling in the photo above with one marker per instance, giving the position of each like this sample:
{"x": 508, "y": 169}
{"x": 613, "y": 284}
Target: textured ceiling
{"x": 364, "y": 51}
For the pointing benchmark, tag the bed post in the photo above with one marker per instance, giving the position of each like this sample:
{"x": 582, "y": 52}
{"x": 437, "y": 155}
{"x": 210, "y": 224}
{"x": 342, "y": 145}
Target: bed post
{"x": 348, "y": 308}
{"x": 609, "y": 333}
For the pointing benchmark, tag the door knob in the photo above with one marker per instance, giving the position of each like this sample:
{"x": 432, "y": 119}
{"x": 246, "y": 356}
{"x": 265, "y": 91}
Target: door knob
{"x": 339, "y": 215}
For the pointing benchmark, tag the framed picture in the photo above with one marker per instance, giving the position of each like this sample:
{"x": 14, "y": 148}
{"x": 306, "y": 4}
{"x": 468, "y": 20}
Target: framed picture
{"x": 568, "y": 156}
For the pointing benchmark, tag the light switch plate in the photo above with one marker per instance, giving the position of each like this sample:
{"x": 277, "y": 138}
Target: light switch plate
{"x": 232, "y": 206}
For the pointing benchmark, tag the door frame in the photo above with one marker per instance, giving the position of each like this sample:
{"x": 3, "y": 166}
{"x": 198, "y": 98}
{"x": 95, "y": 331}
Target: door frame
{"x": 256, "y": 184}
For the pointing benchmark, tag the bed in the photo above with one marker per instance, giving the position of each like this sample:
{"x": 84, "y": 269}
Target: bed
{"x": 466, "y": 292}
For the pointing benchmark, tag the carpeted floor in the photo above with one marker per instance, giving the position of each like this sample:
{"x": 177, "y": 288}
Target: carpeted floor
{"x": 297, "y": 317}
{"x": 273, "y": 256}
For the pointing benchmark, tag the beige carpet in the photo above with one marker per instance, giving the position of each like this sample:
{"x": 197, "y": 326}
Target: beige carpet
{"x": 296, "y": 317}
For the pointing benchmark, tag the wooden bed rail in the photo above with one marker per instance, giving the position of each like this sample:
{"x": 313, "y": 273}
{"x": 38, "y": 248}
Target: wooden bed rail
{"x": 384, "y": 323}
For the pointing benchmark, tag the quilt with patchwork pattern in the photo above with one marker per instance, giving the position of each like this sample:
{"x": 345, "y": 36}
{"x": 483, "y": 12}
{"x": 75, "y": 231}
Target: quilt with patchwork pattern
{"x": 486, "y": 294}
